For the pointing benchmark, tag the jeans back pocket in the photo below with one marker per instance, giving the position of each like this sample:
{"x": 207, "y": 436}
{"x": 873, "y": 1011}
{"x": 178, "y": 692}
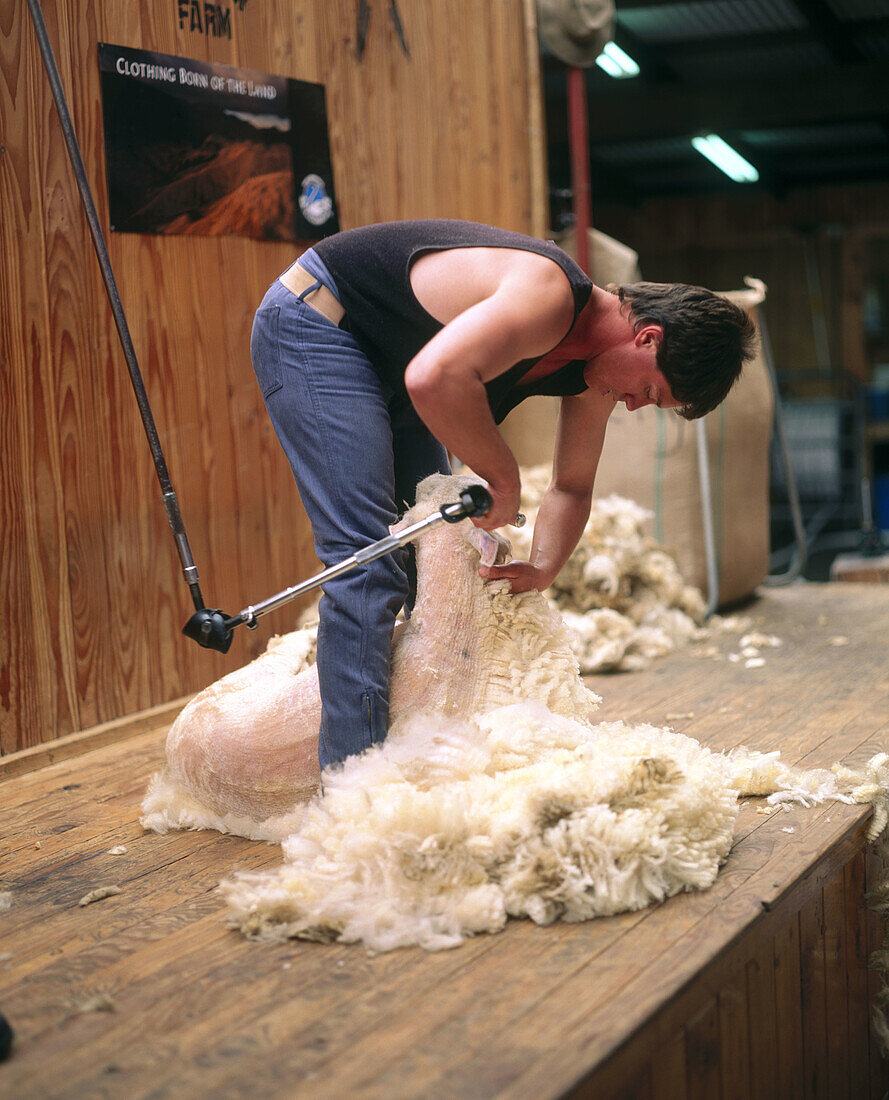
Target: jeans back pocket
{"x": 264, "y": 349}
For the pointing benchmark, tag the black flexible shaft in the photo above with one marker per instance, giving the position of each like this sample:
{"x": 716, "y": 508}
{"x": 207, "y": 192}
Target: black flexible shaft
{"x": 160, "y": 464}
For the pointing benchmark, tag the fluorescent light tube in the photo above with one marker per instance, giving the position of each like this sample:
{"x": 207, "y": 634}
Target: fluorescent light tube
{"x": 725, "y": 158}
{"x": 616, "y": 62}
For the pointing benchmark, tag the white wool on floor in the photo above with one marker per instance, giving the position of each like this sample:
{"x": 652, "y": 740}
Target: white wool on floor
{"x": 451, "y": 827}
{"x": 620, "y": 592}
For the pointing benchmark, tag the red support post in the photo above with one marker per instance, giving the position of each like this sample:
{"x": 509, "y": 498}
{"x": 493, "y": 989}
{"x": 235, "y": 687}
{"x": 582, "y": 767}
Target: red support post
{"x": 578, "y": 142}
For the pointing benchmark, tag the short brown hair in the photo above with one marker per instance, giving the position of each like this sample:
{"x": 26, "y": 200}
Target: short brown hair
{"x": 707, "y": 340}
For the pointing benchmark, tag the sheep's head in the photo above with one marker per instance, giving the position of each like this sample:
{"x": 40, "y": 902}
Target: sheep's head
{"x": 439, "y": 489}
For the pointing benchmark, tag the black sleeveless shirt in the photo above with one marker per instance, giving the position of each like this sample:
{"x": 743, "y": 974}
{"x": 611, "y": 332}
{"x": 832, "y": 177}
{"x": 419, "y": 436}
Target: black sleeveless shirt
{"x": 371, "y": 269}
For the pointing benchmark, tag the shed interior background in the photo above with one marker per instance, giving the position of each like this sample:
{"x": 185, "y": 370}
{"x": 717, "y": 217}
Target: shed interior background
{"x": 468, "y": 121}
{"x": 799, "y": 88}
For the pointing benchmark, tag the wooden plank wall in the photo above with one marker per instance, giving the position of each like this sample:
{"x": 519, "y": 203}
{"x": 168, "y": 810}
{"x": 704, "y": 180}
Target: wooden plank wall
{"x": 91, "y": 594}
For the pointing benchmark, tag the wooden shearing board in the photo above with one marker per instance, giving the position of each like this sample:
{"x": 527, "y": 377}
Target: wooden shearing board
{"x": 757, "y": 987}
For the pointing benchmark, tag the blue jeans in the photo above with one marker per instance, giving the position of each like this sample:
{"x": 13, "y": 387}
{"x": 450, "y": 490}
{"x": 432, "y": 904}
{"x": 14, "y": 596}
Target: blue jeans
{"x": 357, "y": 451}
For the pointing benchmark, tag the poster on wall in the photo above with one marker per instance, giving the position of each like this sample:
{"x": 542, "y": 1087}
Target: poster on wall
{"x": 192, "y": 147}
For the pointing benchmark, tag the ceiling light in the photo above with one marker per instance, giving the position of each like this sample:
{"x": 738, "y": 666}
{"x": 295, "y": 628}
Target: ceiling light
{"x": 617, "y": 63}
{"x": 725, "y": 158}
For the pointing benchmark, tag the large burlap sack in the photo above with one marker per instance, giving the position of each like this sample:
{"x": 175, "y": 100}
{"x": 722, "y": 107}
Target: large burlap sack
{"x": 650, "y": 456}
{"x": 610, "y": 260}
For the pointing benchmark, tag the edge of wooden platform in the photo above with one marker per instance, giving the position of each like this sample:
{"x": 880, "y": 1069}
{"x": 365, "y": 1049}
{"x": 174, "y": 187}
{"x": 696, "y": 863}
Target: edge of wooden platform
{"x": 96, "y": 737}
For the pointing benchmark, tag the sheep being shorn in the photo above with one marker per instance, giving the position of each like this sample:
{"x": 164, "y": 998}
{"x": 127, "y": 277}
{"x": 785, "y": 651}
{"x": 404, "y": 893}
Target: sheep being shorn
{"x": 242, "y": 755}
{"x": 494, "y": 794}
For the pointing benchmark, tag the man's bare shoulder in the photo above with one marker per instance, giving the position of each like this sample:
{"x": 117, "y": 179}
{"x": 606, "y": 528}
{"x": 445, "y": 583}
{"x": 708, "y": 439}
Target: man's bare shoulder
{"x": 448, "y": 282}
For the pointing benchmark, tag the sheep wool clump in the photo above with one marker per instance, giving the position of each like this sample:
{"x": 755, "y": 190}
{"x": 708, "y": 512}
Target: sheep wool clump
{"x": 620, "y": 593}
{"x": 450, "y": 827}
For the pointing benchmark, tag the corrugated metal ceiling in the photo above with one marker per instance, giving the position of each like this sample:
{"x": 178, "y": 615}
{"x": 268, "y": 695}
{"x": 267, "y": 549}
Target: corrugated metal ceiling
{"x": 831, "y": 135}
{"x": 753, "y": 61}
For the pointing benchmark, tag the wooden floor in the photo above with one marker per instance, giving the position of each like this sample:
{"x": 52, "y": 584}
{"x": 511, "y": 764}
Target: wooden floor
{"x": 754, "y": 988}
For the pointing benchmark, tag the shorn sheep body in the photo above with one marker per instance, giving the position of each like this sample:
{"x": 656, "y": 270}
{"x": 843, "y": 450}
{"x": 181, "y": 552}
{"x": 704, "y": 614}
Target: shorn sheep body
{"x": 495, "y": 794}
{"x": 242, "y": 755}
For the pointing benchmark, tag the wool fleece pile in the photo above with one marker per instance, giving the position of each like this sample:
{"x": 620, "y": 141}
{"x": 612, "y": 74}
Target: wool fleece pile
{"x": 448, "y": 829}
{"x": 494, "y": 795}
{"x": 620, "y": 593}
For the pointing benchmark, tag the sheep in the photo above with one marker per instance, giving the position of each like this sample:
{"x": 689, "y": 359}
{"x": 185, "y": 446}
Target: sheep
{"x": 242, "y": 755}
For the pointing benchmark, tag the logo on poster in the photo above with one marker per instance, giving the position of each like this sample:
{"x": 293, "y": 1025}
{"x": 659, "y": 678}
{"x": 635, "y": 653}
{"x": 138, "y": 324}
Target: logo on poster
{"x": 314, "y": 202}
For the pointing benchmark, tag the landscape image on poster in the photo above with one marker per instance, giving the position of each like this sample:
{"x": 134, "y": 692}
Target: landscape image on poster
{"x": 198, "y": 148}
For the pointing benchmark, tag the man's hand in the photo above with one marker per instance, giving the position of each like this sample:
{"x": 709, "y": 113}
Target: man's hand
{"x": 522, "y": 576}
{"x": 505, "y": 504}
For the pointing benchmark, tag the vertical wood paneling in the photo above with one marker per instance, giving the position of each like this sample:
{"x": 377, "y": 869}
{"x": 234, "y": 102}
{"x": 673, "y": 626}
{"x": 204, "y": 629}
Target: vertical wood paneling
{"x": 91, "y": 593}
{"x": 85, "y": 427}
{"x": 668, "y": 1082}
{"x": 790, "y": 1019}
{"x": 788, "y": 1009}
{"x": 874, "y": 870}
{"x": 856, "y": 976}
{"x": 762, "y": 1021}
{"x": 35, "y": 633}
{"x": 702, "y": 1054}
{"x": 734, "y": 1041}
{"x": 814, "y": 992}
{"x": 836, "y": 978}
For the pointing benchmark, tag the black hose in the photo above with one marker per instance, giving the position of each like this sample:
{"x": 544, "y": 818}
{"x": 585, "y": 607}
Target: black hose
{"x": 169, "y": 497}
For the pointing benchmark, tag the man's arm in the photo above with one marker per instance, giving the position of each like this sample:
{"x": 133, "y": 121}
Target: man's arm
{"x": 528, "y": 313}
{"x": 565, "y": 507}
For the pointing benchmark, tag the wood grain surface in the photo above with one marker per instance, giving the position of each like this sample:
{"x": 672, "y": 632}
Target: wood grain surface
{"x": 756, "y": 987}
{"x": 92, "y": 599}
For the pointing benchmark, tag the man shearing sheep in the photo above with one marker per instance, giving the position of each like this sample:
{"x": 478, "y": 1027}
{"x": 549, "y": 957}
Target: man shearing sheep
{"x": 383, "y": 348}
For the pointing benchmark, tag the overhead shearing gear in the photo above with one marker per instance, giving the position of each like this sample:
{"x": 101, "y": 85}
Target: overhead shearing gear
{"x": 213, "y": 629}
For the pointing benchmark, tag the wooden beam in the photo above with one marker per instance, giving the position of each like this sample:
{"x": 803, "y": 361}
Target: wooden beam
{"x": 536, "y": 126}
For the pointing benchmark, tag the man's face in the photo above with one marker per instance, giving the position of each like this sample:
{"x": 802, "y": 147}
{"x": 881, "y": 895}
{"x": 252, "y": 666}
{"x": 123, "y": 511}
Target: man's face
{"x": 629, "y": 372}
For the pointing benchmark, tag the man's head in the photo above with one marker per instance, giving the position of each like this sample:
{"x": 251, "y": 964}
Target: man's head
{"x": 702, "y": 339}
